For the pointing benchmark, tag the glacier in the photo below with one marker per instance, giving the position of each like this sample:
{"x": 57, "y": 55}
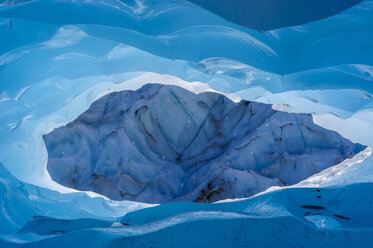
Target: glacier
{"x": 58, "y": 57}
{"x": 163, "y": 143}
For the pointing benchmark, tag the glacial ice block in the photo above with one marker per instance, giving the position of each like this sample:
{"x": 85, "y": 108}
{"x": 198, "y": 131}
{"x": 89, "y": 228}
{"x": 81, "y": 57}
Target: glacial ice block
{"x": 163, "y": 143}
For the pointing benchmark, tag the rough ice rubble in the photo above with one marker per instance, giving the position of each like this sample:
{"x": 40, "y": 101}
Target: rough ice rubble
{"x": 342, "y": 67}
{"x": 163, "y": 143}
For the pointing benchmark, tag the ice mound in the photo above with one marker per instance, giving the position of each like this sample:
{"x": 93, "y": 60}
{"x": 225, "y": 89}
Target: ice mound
{"x": 164, "y": 143}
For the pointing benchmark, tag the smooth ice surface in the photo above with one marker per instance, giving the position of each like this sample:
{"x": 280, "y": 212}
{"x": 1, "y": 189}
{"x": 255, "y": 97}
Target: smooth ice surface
{"x": 312, "y": 217}
{"x": 164, "y": 143}
{"x": 21, "y": 202}
{"x": 58, "y": 57}
{"x": 268, "y": 14}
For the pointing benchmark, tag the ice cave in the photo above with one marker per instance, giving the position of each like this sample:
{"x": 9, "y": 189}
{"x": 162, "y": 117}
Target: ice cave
{"x": 186, "y": 123}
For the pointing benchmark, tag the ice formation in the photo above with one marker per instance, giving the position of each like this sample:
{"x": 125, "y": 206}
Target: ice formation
{"x": 58, "y": 57}
{"x": 268, "y": 14}
{"x": 163, "y": 143}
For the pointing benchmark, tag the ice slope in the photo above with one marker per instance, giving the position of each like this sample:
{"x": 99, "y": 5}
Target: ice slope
{"x": 22, "y": 202}
{"x": 58, "y": 57}
{"x": 295, "y": 217}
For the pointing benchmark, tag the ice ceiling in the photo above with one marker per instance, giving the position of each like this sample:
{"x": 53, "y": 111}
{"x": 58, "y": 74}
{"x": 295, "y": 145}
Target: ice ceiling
{"x": 58, "y": 57}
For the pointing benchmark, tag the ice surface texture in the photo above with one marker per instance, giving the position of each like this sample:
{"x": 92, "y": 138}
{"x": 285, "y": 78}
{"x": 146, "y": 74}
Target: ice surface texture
{"x": 163, "y": 143}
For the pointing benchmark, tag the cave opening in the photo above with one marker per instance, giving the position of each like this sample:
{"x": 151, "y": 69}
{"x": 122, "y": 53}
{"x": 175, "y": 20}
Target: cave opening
{"x": 163, "y": 143}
